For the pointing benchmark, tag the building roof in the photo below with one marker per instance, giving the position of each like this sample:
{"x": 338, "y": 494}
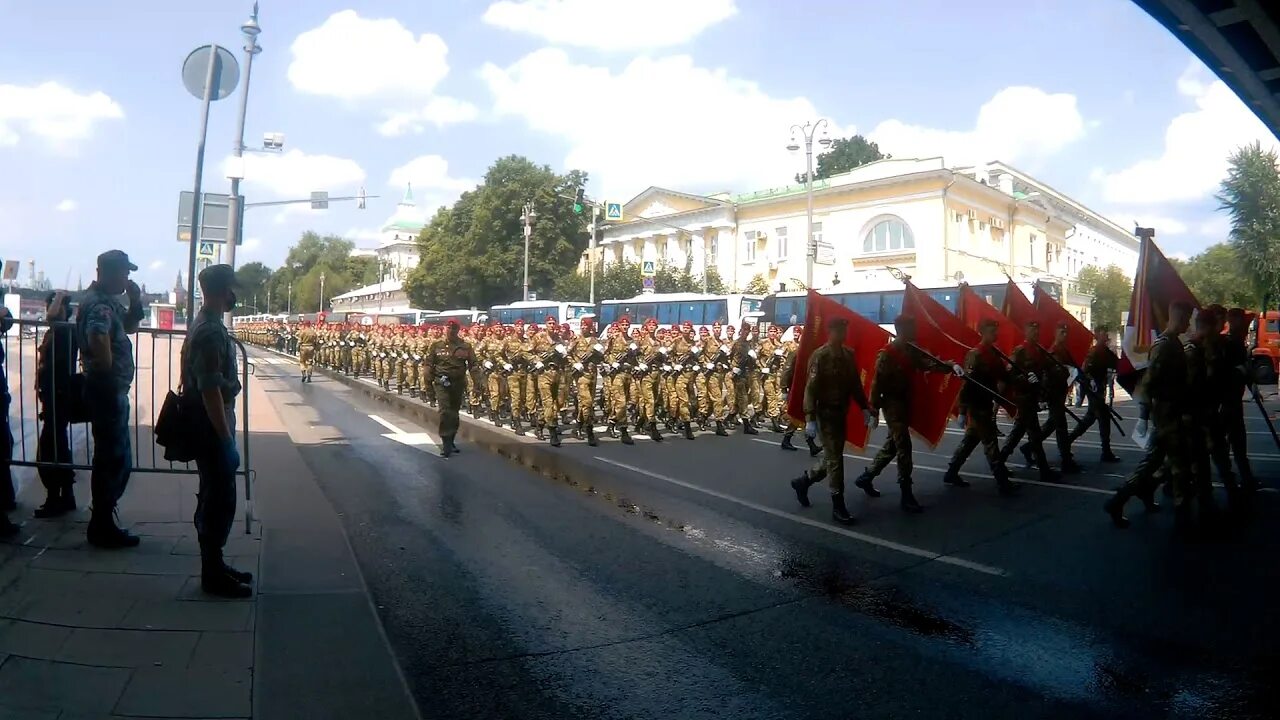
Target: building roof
{"x": 407, "y": 217}
{"x": 1238, "y": 39}
{"x": 388, "y": 286}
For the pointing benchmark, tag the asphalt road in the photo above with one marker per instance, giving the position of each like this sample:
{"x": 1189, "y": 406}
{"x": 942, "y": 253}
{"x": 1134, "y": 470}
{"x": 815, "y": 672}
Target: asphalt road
{"x": 686, "y": 582}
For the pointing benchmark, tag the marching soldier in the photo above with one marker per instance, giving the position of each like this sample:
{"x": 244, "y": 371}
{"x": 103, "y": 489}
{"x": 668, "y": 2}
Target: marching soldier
{"x": 682, "y": 356}
{"x": 1238, "y": 359}
{"x": 834, "y": 381}
{"x": 743, "y": 360}
{"x": 448, "y": 361}
{"x": 479, "y": 382}
{"x": 545, "y": 354}
{"x": 585, "y": 354}
{"x": 1057, "y": 381}
{"x": 708, "y": 383}
{"x": 1030, "y": 364}
{"x": 1098, "y": 365}
{"x": 1162, "y": 397}
{"x": 792, "y": 348}
{"x": 896, "y": 368}
{"x": 619, "y": 354}
{"x": 514, "y": 366}
{"x": 306, "y": 350}
{"x": 771, "y": 356}
{"x": 985, "y": 368}
{"x": 649, "y": 377}
{"x": 489, "y": 355}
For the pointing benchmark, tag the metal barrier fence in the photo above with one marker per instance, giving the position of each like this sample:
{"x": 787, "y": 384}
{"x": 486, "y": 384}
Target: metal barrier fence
{"x": 34, "y": 399}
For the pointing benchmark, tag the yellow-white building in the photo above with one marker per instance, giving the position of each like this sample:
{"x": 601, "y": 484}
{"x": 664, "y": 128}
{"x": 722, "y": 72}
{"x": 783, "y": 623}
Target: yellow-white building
{"x": 937, "y": 224}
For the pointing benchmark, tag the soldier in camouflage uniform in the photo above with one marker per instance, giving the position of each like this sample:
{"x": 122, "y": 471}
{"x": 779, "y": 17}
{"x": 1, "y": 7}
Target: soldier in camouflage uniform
{"x": 306, "y": 350}
{"x": 1031, "y": 364}
{"x": 1239, "y": 360}
{"x": 620, "y": 355}
{"x": 742, "y": 355}
{"x": 585, "y": 354}
{"x": 771, "y": 355}
{"x": 986, "y": 372}
{"x": 1057, "y": 380}
{"x": 517, "y": 376}
{"x": 448, "y": 361}
{"x": 1098, "y": 365}
{"x": 792, "y": 348}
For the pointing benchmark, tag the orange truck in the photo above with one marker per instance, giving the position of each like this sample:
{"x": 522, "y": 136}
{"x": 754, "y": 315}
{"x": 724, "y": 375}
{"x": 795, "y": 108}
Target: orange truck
{"x": 1264, "y": 338}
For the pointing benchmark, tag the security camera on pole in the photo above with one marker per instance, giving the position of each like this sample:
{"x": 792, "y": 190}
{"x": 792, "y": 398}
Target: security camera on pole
{"x": 251, "y": 48}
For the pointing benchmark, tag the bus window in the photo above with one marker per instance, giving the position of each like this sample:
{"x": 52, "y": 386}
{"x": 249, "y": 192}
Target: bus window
{"x": 643, "y": 312}
{"x": 789, "y": 311}
{"x": 668, "y": 313}
{"x": 716, "y": 310}
{"x": 865, "y": 304}
{"x": 890, "y": 306}
{"x": 949, "y": 298}
{"x": 692, "y": 312}
{"x": 608, "y": 314}
{"x": 750, "y": 305}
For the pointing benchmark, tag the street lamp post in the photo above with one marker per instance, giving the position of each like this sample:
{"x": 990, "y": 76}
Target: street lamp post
{"x": 321, "y": 308}
{"x": 250, "y": 29}
{"x": 527, "y": 215}
{"x": 289, "y": 302}
{"x": 808, "y": 130}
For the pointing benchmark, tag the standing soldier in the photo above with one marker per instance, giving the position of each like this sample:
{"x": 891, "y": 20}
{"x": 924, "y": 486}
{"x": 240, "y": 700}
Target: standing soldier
{"x": 986, "y": 371}
{"x": 415, "y": 347}
{"x": 896, "y": 369}
{"x": 546, "y": 353}
{"x": 650, "y": 376}
{"x": 448, "y": 361}
{"x": 1237, "y": 357}
{"x": 833, "y": 382}
{"x": 479, "y": 382}
{"x": 708, "y": 397}
{"x": 306, "y": 350}
{"x": 1030, "y": 364}
{"x": 344, "y": 349}
{"x": 1162, "y": 398}
{"x": 686, "y": 363}
{"x": 771, "y": 356}
{"x": 743, "y": 360}
{"x": 618, "y": 354}
{"x": 359, "y": 348}
{"x": 517, "y": 375}
{"x": 730, "y": 377}
{"x": 489, "y": 355}
{"x": 1057, "y": 381}
{"x": 585, "y": 354}
{"x": 1098, "y": 365}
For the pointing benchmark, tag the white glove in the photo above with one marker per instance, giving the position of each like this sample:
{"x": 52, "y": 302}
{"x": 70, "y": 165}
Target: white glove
{"x": 737, "y": 371}
{"x": 664, "y": 350}
{"x": 666, "y": 367}
{"x": 779, "y": 352}
{"x": 538, "y": 365}
{"x": 711, "y": 366}
{"x": 632, "y": 347}
{"x": 811, "y": 429}
{"x": 678, "y": 368}
{"x": 488, "y": 365}
{"x": 752, "y": 353}
{"x": 444, "y": 380}
{"x": 617, "y": 365}
{"x": 641, "y": 367}
{"x": 560, "y": 348}
{"x": 871, "y": 419}
{"x": 577, "y": 366}
{"x": 765, "y": 371}
{"x": 506, "y": 366}
{"x": 598, "y": 348}
{"x": 1141, "y": 428}
{"x": 1031, "y": 378}
{"x": 417, "y": 357}
{"x": 724, "y": 349}
{"x": 957, "y": 370}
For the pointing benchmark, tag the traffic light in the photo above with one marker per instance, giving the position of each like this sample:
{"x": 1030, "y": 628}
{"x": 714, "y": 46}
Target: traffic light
{"x": 579, "y": 200}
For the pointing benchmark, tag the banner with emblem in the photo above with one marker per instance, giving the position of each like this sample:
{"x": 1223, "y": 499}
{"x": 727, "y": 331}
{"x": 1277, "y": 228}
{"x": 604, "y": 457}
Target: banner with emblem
{"x": 934, "y": 395}
{"x": 1079, "y": 338}
{"x": 864, "y": 337}
{"x": 1155, "y": 288}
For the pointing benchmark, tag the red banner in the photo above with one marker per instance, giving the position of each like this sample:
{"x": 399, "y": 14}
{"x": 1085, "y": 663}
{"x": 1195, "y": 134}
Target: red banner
{"x": 1079, "y": 338}
{"x": 974, "y": 309}
{"x": 1018, "y": 309}
{"x": 1155, "y": 288}
{"x": 865, "y": 338}
{"x": 934, "y": 395}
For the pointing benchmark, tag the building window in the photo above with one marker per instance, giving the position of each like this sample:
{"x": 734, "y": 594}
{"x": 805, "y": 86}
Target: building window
{"x": 781, "y": 234}
{"x": 713, "y": 252}
{"x": 749, "y": 251}
{"x": 888, "y": 235}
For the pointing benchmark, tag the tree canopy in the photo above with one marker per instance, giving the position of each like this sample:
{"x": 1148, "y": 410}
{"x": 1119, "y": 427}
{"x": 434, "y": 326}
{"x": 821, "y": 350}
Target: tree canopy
{"x": 472, "y": 254}
{"x": 757, "y": 285}
{"x": 1251, "y": 195}
{"x": 844, "y": 155}
{"x": 1214, "y": 276}
{"x": 312, "y": 256}
{"x": 1111, "y": 290}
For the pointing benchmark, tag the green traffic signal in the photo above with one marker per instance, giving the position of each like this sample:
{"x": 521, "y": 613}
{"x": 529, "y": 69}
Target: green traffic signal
{"x": 577, "y": 208}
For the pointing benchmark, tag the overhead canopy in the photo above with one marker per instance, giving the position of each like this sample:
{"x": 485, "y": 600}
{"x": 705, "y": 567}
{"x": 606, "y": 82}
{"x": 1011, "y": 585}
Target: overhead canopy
{"x": 1238, "y": 39}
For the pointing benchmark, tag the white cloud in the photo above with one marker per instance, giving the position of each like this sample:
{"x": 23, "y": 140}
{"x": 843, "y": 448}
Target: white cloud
{"x": 611, "y": 24}
{"x": 439, "y": 111}
{"x": 1196, "y": 146}
{"x": 429, "y": 175}
{"x": 1016, "y": 124}
{"x": 353, "y": 58}
{"x": 704, "y": 129}
{"x": 294, "y": 174}
{"x": 155, "y": 265}
{"x": 58, "y": 115}
{"x": 1217, "y": 227}
{"x": 1182, "y": 255}
{"x": 251, "y": 245}
{"x": 362, "y": 236}
{"x": 1163, "y": 225}
{"x": 66, "y": 206}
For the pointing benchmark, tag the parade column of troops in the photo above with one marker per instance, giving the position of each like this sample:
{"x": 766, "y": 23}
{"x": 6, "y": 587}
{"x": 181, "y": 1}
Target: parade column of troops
{"x": 653, "y": 379}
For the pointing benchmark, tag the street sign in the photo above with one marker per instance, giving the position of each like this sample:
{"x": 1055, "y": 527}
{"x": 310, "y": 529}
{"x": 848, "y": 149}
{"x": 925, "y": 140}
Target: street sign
{"x": 647, "y": 284}
{"x": 613, "y": 211}
{"x": 206, "y": 251}
{"x": 195, "y": 71}
{"x": 214, "y": 217}
{"x": 648, "y": 269}
{"x": 11, "y": 269}
{"x": 825, "y": 254}
{"x": 319, "y": 200}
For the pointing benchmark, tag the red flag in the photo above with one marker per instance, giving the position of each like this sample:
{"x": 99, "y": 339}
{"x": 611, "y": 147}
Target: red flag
{"x": 1018, "y": 308}
{"x": 934, "y": 395}
{"x": 974, "y": 309}
{"x": 865, "y": 338}
{"x": 1155, "y": 288}
{"x": 1079, "y": 339}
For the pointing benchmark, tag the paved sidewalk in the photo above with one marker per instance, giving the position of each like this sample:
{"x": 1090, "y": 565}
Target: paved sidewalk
{"x": 88, "y": 634}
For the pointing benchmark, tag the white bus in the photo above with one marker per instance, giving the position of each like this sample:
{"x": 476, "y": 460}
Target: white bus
{"x": 465, "y": 318}
{"x": 260, "y": 317}
{"x": 536, "y": 312}
{"x": 677, "y": 308}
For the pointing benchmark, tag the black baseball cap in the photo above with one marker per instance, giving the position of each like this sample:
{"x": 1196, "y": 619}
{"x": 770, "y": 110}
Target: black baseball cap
{"x": 114, "y": 260}
{"x": 218, "y": 277}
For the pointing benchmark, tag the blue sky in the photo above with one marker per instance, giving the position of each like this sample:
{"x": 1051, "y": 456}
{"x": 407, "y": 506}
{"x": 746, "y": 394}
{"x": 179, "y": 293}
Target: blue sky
{"x": 98, "y": 135}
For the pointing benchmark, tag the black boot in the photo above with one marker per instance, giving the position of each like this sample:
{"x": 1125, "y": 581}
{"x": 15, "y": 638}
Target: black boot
{"x": 786, "y": 441}
{"x": 814, "y": 450}
{"x": 952, "y": 478}
{"x": 1108, "y": 456}
{"x": 865, "y": 483}
{"x": 774, "y": 425}
{"x": 688, "y": 431}
{"x": 626, "y": 436}
{"x": 1026, "y": 456}
{"x": 908, "y": 503}
{"x": 1114, "y": 508}
{"x": 446, "y": 446}
{"x": 104, "y": 533}
{"x": 591, "y": 435}
{"x": 801, "y": 486}
{"x": 216, "y": 581}
{"x": 654, "y": 434}
{"x": 55, "y": 504}
{"x": 720, "y": 429}
{"x": 555, "y": 436}
{"x": 515, "y": 425}
{"x": 839, "y": 512}
{"x": 1149, "y": 500}
{"x": 748, "y": 428}
{"x": 613, "y": 429}
{"x": 1069, "y": 465}
{"x": 1006, "y": 487}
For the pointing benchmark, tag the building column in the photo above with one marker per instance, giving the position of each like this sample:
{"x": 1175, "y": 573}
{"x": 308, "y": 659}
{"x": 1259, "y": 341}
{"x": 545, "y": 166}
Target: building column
{"x": 698, "y": 250}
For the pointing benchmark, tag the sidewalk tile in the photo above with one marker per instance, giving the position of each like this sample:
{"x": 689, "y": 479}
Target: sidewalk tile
{"x": 11, "y": 713}
{"x": 163, "y": 565}
{"x": 128, "y": 648}
{"x": 83, "y": 560}
{"x": 170, "y": 692}
{"x": 213, "y": 615}
{"x": 237, "y": 544}
{"x": 75, "y": 610}
{"x": 137, "y": 586}
{"x": 163, "y": 529}
{"x": 44, "y": 685}
{"x": 230, "y": 650}
{"x": 32, "y": 640}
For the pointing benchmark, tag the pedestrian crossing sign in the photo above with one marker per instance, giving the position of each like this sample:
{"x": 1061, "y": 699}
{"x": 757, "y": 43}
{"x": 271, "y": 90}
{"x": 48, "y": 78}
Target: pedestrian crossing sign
{"x": 647, "y": 268}
{"x": 206, "y": 250}
{"x": 613, "y": 211}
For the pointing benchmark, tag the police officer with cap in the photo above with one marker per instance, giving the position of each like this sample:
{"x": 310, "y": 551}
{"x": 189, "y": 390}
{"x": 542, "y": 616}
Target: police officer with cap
{"x": 209, "y": 369}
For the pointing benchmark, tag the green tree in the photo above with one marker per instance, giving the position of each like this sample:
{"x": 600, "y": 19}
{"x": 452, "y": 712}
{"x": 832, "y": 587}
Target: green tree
{"x": 574, "y": 286}
{"x": 844, "y": 155}
{"x": 1110, "y": 289}
{"x": 757, "y": 286}
{"x": 473, "y": 252}
{"x": 254, "y": 278}
{"x": 620, "y": 280}
{"x": 312, "y": 256}
{"x": 1251, "y": 195}
{"x": 1214, "y": 277}
{"x": 715, "y": 284}
{"x": 671, "y": 279}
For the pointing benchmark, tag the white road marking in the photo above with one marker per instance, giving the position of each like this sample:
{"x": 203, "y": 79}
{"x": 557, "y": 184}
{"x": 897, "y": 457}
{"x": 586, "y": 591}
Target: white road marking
{"x": 836, "y": 529}
{"x": 413, "y": 439}
{"x": 386, "y": 424}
